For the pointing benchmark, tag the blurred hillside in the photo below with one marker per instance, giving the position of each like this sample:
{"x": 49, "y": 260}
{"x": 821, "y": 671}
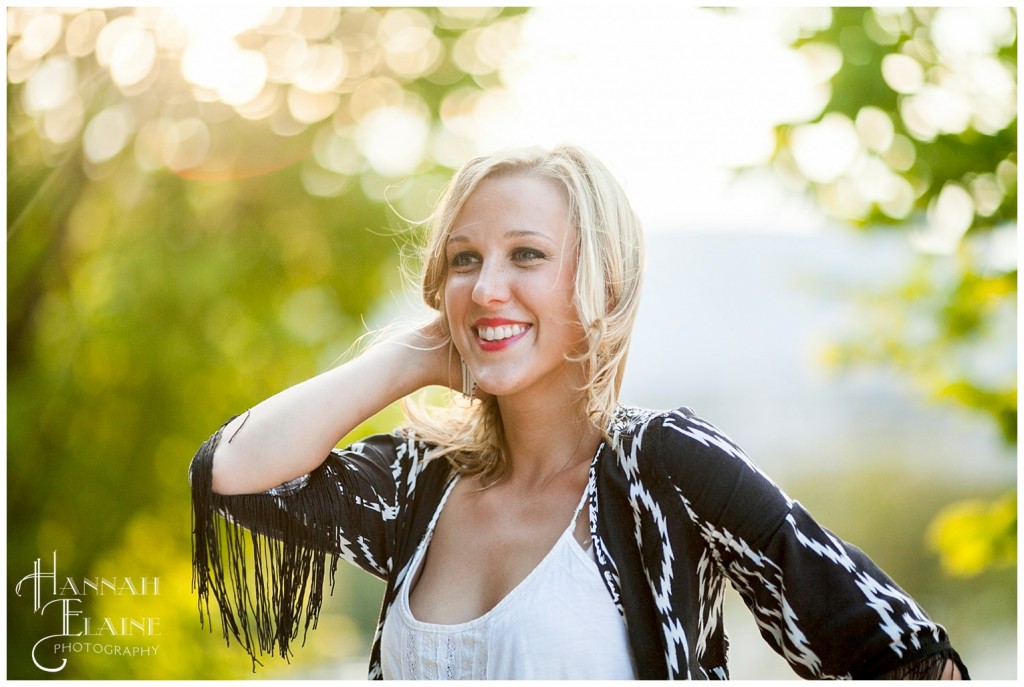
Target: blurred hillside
{"x": 739, "y": 325}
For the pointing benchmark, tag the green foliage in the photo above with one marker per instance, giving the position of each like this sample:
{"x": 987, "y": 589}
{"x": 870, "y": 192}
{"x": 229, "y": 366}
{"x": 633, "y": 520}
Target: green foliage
{"x": 177, "y": 253}
{"x": 974, "y": 535}
{"x": 914, "y": 103}
{"x": 924, "y": 107}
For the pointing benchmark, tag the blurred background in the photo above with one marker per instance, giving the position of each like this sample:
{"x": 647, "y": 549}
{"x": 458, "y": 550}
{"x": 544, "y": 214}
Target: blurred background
{"x": 207, "y": 204}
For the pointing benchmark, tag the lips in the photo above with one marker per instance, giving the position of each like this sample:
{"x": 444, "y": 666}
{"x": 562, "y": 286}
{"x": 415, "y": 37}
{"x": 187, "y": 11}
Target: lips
{"x": 493, "y": 334}
{"x": 498, "y": 333}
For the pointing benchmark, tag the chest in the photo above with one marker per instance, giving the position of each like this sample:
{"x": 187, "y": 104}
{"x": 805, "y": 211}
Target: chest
{"x": 486, "y": 543}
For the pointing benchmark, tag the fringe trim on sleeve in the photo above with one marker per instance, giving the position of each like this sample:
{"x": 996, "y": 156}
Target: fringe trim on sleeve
{"x": 265, "y": 605}
{"x": 929, "y": 668}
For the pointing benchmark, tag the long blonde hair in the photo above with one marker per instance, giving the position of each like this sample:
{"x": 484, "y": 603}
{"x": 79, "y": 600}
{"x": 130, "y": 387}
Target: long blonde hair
{"x": 606, "y": 294}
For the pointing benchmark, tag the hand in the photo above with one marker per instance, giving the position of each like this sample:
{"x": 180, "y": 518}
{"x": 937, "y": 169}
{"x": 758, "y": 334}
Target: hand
{"x": 427, "y": 353}
{"x": 441, "y": 359}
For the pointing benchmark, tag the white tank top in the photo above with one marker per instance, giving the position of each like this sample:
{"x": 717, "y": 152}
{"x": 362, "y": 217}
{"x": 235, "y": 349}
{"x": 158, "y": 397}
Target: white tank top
{"x": 558, "y": 623}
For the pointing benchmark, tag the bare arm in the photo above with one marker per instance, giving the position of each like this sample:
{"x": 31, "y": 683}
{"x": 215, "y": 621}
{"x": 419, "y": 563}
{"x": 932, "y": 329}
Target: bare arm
{"x": 292, "y": 432}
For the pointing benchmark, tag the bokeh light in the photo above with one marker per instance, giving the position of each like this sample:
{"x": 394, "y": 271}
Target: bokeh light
{"x": 290, "y": 70}
{"x": 948, "y": 78}
{"x": 50, "y": 85}
{"x": 188, "y": 186}
{"x": 107, "y": 133}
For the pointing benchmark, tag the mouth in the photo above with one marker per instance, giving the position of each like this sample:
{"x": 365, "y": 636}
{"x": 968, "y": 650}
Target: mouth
{"x": 500, "y": 333}
{"x": 494, "y": 335}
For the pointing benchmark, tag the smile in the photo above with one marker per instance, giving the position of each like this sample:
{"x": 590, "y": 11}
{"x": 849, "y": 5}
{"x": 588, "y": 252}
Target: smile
{"x": 497, "y": 334}
{"x": 500, "y": 333}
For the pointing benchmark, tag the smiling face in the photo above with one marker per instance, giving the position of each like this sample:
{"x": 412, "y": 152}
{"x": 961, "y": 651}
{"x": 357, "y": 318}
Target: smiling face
{"x": 511, "y": 263}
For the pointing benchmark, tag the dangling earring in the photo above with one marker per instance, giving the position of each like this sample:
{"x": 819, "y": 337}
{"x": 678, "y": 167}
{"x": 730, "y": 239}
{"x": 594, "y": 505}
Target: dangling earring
{"x": 468, "y": 382}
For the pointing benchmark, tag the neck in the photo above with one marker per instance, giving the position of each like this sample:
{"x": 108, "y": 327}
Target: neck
{"x": 547, "y": 437}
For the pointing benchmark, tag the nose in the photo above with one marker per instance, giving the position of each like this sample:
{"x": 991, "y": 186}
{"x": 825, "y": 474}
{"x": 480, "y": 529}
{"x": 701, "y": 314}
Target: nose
{"x": 492, "y": 284}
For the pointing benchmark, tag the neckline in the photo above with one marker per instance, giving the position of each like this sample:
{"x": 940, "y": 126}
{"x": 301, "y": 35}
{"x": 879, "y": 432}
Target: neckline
{"x": 417, "y": 561}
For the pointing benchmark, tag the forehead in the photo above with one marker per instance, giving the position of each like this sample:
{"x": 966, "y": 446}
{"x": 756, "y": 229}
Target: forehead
{"x": 514, "y": 203}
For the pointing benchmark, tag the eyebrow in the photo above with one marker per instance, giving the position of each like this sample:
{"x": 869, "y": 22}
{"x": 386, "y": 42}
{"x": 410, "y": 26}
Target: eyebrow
{"x": 514, "y": 234}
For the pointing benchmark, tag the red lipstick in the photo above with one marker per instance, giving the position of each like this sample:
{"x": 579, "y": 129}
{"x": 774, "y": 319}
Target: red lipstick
{"x": 497, "y": 333}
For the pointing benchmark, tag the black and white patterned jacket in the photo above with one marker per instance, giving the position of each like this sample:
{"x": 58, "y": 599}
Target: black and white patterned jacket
{"x": 676, "y": 509}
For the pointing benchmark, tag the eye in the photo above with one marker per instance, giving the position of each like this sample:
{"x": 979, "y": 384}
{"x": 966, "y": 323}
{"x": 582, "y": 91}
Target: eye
{"x": 463, "y": 260}
{"x": 528, "y": 255}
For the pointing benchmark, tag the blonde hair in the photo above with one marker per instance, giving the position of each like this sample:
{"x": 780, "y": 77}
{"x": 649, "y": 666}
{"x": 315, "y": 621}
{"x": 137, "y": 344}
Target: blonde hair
{"x": 606, "y": 294}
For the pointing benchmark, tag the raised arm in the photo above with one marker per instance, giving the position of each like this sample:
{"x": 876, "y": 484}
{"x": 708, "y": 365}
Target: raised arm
{"x": 292, "y": 432}
{"x": 274, "y": 508}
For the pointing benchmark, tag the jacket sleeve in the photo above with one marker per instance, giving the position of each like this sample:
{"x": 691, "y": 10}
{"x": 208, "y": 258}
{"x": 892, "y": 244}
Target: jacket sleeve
{"x": 346, "y": 508}
{"x": 820, "y": 602}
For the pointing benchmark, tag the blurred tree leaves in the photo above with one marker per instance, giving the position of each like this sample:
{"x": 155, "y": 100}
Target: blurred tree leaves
{"x": 202, "y": 208}
{"x": 975, "y": 535}
{"x": 918, "y": 133}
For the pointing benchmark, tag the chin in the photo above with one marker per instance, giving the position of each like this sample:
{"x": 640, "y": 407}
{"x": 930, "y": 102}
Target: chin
{"x": 495, "y": 390}
{"x": 498, "y": 387}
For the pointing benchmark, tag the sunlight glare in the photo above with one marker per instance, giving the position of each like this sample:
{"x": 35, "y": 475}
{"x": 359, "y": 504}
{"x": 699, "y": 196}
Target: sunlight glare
{"x": 936, "y": 110}
{"x": 250, "y": 70}
{"x": 996, "y": 93}
{"x": 323, "y": 67}
{"x": 285, "y": 56}
{"x": 107, "y": 133}
{"x": 81, "y": 34}
{"x": 961, "y": 31}
{"x": 900, "y": 201}
{"x": 221, "y": 21}
{"x": 986, "y": 193}
{"x": 875, "y": 128}
{"x": 132, "y": 57}
{"x": 218, "y": 64}
{"x": 41, "y": 34}
{"x": 903, "y": 73}
{"x": 315, "y": 23}
{"x": 263, "y": 105}
{"x": 308, "y": 107}
{"x": 19, "y": 65}
{"x": 949, "y": 217}
{"x": 874, "y": 180}
{"x": 393, "y": 140}
{"x": 410, "y": 47}
{"x": 826, "y": 150}
{"x": 203, "y": 60}
{"x": 213, "y": 60}
{"x": 697, "y": 88}
{"x": 50, "y": 85}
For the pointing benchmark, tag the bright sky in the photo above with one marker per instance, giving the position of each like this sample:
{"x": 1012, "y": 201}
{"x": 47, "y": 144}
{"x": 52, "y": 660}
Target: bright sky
{"x": 669, "y": 97}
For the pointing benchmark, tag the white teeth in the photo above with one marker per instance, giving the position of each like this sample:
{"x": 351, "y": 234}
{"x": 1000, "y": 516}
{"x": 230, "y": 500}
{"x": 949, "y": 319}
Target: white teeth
{"x": 499, "y": 333}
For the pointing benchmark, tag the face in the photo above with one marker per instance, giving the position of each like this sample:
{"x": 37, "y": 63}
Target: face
{"x": 509, "y": 287}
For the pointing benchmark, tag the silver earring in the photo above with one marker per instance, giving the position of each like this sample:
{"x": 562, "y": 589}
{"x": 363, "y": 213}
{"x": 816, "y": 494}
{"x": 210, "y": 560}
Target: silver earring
{"x": 468, "y": 382}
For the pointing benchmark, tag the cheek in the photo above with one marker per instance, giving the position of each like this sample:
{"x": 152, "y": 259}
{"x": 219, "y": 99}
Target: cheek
{"x": 575, "y": 330}
{"x": 561, "y": 316}
{"x": 567, "y": 289}
{"x": 454, "y": 302}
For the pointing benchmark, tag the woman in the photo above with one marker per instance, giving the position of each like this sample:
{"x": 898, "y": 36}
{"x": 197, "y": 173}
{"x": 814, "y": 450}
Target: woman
{"x": 540, "y": 530}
